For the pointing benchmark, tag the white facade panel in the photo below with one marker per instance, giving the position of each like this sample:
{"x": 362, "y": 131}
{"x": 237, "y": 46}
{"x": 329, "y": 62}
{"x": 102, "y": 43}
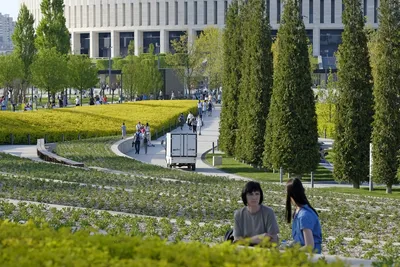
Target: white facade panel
{"x": 110, "y": 16}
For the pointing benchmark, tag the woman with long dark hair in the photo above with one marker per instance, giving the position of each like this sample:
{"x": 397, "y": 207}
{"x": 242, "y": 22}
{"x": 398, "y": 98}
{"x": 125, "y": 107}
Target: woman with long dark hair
{"x": 254, "y": 220}
{"x": 306, "y": 228}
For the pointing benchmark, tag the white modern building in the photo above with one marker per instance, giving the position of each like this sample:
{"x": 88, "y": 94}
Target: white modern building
{"x": 100, "y": 27}
{"x": 7, "y": 26}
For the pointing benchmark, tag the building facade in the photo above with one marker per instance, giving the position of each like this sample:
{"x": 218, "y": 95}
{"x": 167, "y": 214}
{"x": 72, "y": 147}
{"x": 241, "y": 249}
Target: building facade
{"x": 102, "y": 28}
{"x": 7, "y": 26}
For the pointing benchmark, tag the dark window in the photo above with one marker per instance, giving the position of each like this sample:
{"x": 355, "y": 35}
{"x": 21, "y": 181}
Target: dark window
{"x": 124, "y": 40}
{"x": 375, "y": 11}
{"x": 365, "y": 7}
{"x": 311, "y": 12}
{"x": 140, "y": 14}
{"x": 195, "y": 12}
{"x": 332, "y": 11}
{"x": 268, "y": 9}
{"x": 205, "y": 12}
{"x": 158, "y": 13}
{"x": 321, "y": 11}
{"x": 148, "y": 13}
{"x": 166, "y": 13}
{"x": 85, "y": 43}
{"x": 150, "y": 38}
{"x": 226, "y": 9}
{"x": 329, "y": 42}
{"x": 104, "y": 44}
{"x": 215, "y": 12}
{"x": 301, "y": 8}
{"x": 176, "y": 13}
{"x": 278, "y": 11}
{"x": 186, "y": 13}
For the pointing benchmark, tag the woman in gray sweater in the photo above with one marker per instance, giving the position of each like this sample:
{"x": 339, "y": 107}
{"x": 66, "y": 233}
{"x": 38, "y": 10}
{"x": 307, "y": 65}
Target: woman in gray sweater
{"x": 255, "y": 221}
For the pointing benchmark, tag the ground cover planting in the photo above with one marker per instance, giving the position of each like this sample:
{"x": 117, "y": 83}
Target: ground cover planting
{"x": 97, "y": 152}
{"x": 355, "y": 226}
{"x": 89, "y": 121}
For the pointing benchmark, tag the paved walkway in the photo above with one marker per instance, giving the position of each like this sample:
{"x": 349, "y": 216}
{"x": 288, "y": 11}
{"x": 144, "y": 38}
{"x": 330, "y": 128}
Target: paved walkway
{"x": 209, "y": 134}
{"x": 23, "y": 151}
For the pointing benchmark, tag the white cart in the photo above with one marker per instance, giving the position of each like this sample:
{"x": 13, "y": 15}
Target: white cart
{"x": 181, "y": 150}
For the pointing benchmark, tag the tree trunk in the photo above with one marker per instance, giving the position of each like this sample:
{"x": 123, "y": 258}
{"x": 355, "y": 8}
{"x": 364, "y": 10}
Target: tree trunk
{"x": 388, "y": 189}
{"x": 356, "y": 185}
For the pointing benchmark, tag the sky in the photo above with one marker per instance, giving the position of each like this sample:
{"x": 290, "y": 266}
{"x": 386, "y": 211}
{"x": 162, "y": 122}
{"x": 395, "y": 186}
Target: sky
{"x": 10, "y": 7}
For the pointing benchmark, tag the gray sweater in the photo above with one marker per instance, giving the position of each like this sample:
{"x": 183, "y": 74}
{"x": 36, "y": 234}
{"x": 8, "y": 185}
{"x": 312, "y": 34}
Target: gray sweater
{"x": 248, "y": 224}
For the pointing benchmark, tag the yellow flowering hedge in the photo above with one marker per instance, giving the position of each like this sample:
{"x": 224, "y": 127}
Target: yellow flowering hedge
{"x": 90, "y": 121}
{"x": 27, "y": 245}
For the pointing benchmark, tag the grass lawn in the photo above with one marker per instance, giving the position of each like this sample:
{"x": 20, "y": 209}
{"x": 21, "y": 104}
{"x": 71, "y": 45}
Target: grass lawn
{"x": 230, "y": 165}
{"x": 363, "y": 191}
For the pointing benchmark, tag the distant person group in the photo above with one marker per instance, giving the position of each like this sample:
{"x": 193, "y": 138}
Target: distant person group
{"x": 141, "y": 135}
{"x": 256, "y": 221}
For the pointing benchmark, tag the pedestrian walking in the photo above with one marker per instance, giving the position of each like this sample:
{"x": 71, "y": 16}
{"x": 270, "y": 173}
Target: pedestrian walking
{"x": 123, "y": 130}
{"x": 210, "y": 106}
{"x": 199, "y": 107}
{"x": 199, "y": 124}
{"x": 204, "y": 108}
{"x": 77, "y": 101}
{"x": 181, "y": 120}
{"x": 189, "y": 120}
{"x": 194, "y": 125}
{"x": 148, "y": 134}
{"x": 136, "y": 141}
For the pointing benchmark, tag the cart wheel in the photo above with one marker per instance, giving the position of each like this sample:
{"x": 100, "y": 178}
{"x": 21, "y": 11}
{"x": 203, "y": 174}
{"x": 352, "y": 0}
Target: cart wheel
{"x": 169, "y": 165}
{"x": 193, "y": 167}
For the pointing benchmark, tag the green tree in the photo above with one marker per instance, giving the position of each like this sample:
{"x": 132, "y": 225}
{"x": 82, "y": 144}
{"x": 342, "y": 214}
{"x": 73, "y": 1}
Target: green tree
{"x": 128, "y": 71}
{"x": 386, "y": 73}
{"x": 256, "y": 83}
{"x": 82, "y": 73}
{"x": 11, "y": 71}
{"x": 52, "y": 31}
{"x": 232, "y": 41}
{"x": 354, "y": 107}
{"x": 49, "y": 71}
{"x": 210, "y": 46}
{"x": 291, "y": 137}
{"x": 24, "y": 41}
{"x": 186, "y": 61}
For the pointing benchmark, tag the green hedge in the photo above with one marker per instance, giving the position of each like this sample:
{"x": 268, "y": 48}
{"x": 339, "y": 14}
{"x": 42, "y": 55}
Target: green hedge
{"x": 27, "y": 245}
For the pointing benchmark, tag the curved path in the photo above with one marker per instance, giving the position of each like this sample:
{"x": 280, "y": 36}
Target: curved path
{"x": 156, "y": 155}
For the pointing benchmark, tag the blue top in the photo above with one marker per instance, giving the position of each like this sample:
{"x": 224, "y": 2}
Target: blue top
{"x": 306, "y": 218}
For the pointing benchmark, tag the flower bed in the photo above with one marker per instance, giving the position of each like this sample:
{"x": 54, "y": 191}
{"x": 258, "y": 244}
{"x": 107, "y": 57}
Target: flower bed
{"x": 89, "y": 121}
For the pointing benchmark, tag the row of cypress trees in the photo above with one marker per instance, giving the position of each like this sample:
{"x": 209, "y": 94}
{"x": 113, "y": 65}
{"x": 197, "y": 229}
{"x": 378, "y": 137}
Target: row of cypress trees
{"x": 368, "y": 105}
{"x": 268, "y": 112}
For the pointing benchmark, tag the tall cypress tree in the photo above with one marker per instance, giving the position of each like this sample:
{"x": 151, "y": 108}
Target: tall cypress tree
{"x": 231, "y": 79}
{"x": 291, "y": 137}
{"x": 24, "y": 41}
{"x": 52, "y": 31}
{"x": 354, "y": 106}
{"x": 256, "y": 83}
{"x": 386, "y": 72}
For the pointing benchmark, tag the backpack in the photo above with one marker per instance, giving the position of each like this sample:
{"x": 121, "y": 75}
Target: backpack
{"x": 229, "y": 236}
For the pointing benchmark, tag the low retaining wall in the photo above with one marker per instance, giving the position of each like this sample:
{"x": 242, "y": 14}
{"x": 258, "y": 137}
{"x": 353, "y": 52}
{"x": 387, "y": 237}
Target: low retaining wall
{"x": 46, "y": 155}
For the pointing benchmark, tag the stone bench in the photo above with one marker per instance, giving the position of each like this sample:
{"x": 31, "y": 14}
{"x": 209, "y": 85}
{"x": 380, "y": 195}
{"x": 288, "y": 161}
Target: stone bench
{"x": 46, "y": 155}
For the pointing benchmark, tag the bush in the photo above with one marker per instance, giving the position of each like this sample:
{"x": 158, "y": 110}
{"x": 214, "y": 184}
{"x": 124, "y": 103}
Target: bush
{"x": 89, "y": 121}
{"x": 27, "y": 245}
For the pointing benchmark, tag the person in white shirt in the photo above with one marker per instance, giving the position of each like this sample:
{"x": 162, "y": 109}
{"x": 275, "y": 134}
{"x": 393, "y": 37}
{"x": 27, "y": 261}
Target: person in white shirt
{"x": 199, "y": 124}
{"x": 138, "y": 126}
{"x": 77, "y": 101}
{"x": 189, "y": 120}
{"x": 199, "y": 107}
{"x": 148, "y": 134}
